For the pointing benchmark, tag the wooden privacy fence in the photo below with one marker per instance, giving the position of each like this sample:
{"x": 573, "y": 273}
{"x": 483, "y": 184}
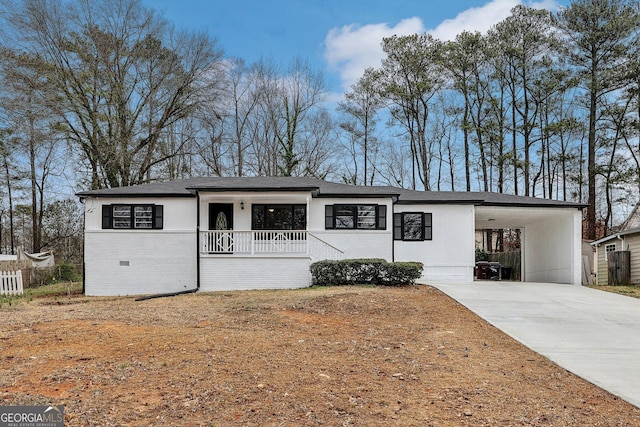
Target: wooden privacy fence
{"x": 509, "y": 259}
{"x": 619, "y": 267}
{"x": 15, "y": 265}
{"x": 11, "y": 283}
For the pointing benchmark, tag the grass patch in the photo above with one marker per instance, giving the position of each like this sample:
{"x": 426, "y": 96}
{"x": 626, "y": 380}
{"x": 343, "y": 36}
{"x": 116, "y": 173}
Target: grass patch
{"x": 627, "y": 290}
{"x": 56, "y": 290}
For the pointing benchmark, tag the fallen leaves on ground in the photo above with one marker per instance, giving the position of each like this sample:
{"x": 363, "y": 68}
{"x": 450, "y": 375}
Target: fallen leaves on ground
{"x": 340, "y": 356}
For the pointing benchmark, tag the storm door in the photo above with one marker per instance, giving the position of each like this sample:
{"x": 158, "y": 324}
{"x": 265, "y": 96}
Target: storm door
{"x": 221, "y": 222}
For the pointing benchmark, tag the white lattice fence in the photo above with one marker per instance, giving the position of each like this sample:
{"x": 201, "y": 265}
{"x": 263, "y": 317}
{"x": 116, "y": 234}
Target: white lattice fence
{"x": 11, "y": 283}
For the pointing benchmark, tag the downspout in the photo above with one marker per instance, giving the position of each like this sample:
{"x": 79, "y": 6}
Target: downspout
{"x": 394, "y": 200}
{"x": 84, "y": 243}
{"x": 308, "y": 208}
{"x": 197, "y": 240}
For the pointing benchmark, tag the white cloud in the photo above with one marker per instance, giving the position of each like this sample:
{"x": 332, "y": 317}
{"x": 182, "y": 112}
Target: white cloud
{"x": 475, "y": 19}
{"x": 484, "y": 17}
{"x": 349, "y": 50}
{"x": 352, "y": 48}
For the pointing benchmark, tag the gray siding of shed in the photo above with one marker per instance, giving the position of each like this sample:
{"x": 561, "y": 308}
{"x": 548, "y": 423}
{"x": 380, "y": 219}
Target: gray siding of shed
{"x": 633, "y": 245}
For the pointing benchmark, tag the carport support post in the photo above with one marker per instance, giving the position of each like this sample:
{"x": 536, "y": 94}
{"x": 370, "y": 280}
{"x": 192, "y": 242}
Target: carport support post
{"x": 577, "y": 248}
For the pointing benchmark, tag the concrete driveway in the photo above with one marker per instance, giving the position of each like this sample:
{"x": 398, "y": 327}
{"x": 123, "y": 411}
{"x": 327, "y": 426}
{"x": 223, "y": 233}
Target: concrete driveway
{"x": 594, "y": 334}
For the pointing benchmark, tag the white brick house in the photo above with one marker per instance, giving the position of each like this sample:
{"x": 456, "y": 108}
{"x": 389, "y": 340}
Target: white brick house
{"x": 249, "y": 233}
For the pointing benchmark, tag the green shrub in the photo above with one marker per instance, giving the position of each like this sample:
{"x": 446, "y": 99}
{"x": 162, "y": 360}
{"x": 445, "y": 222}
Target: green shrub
{"x": 373, "y": 271}
{"x": 481, "y": 255}
{"x": 66, "y": 272}
{"x": 400, "y": 273}
{"x": 63, "y": 272}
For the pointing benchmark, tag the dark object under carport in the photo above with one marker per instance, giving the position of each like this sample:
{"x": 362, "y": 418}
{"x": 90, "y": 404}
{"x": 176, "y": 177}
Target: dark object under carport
{"x": 487, "y": 270}
{"x": 505, "y": 273}
{"x": 482, "y": 270}
{"x": 494, "y": 270}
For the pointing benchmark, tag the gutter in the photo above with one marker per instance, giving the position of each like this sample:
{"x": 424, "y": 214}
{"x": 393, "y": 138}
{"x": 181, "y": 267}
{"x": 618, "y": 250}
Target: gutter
{"x": 617, "y": 235}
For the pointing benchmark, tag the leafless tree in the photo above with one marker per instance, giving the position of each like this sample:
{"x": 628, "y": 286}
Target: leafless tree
{"x": 122, "y": 76}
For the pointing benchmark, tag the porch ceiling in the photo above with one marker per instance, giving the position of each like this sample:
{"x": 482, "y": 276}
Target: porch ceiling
{"x": 497, "y": 217}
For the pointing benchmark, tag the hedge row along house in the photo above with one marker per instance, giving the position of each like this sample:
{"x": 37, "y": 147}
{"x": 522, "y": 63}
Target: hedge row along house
{"x": 238, "y": 233}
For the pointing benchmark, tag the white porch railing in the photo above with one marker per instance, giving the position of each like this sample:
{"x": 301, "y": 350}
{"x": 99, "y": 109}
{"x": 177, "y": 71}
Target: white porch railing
{"x": 11, "y": 283}
{"x": 279, "y": 242}
{"x": 320, "y": 250}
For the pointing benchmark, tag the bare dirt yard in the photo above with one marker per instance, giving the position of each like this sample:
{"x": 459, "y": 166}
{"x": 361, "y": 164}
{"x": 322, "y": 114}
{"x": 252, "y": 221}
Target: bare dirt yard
{"x": 340, "y": 356}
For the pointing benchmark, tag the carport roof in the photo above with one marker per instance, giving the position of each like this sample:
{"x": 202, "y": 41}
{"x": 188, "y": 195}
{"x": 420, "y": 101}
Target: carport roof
{"x": 482, "y": 198}
{"x": 320, "y": 188}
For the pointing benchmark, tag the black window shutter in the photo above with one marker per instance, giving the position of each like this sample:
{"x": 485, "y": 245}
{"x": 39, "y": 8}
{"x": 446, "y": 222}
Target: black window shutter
{"x": 397, "y": 226}
{"x": 107, "y": 217}
{"x": 382, "y": 217}
{"x": 328, "y": 217}
{"x": 428, "y": 229}
{"x": 158, "y": 221}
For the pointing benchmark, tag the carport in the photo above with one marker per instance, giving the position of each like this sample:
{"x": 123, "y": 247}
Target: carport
{"x": 551, "y": 234}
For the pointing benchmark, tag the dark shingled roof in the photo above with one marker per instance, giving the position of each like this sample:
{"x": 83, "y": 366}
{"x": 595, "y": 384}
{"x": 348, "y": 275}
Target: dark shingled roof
{"x": 189, "y": 187}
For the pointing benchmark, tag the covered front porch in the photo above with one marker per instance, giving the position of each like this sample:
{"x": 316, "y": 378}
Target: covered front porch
{"x": 251, "y": 240}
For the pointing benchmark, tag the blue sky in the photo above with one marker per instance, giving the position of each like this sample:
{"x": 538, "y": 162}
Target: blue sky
{"x": 339, "y": 37}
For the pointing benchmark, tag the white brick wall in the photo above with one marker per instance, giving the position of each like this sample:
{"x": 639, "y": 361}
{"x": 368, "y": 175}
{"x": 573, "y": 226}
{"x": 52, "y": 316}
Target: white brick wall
{"x": 119, "y": 262}
{"x": 220, "y": 272}
{"x": 450, "y": 255}
{"x": 354, "y": 243}
{"x": 179, "y": 212}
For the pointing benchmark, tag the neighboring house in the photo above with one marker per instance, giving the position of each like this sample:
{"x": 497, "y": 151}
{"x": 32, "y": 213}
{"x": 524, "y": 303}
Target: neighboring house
{"x": 248, "y": 233}
{"x": 633, "y": 220}
{"x": 624, "y": 240}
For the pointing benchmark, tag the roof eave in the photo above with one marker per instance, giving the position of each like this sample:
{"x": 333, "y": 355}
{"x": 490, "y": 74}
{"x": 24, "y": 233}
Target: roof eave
{"x": 615, "y": 236}
{"x": 85, "y": 194}
{"x": 438, "y": 202}
{"x": 249, "y": 189}
{"x": 534, "y": 205}
{"x": 352, "y": 195}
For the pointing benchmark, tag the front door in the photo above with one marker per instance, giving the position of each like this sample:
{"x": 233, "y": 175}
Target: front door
{"x": 221, "y": 220}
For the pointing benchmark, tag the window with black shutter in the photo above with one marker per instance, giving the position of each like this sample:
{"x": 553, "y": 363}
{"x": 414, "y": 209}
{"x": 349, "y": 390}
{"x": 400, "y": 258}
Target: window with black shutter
{"x": 132, "y": 217}
{"x": 355, "y": 217}
{"x": 412, "y": 226}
